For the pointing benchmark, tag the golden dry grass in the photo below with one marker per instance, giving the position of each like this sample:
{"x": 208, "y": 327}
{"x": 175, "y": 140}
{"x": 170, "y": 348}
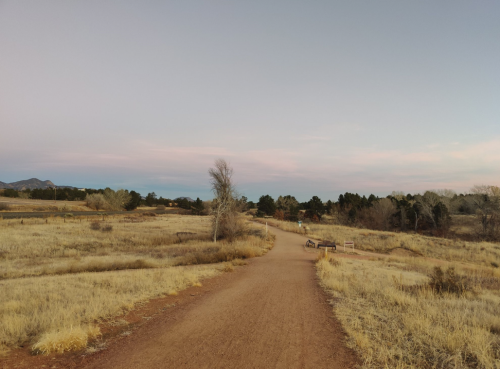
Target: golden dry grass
{"x": 75, "y": 277}
{"x": 481, "y": 253}
{"x": 33, "y": 307}
{"x": 392, "y": 315}
{"x": 392, "y": 324}
{"x": 31, "y": 205}
{"x": 72, "y": 339}
{"x": 70, "y": 245}
{"x": 60, "y": 246}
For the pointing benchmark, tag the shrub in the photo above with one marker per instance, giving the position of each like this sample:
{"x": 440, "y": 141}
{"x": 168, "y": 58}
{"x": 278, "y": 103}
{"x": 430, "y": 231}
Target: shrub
{"x": 232, "y": 227}
{"x": 96, "y": 201}
{"x": 107, "y": 228}
{"x": 259, "y": 214}
{"x": 448, "y": 281}
{"x": 160, "y": 207}
{"x": 116, "y": 200}
{"x": 279, "y": 214}
{"x": 95, "y": 226}
{"x": 4, "y": 206}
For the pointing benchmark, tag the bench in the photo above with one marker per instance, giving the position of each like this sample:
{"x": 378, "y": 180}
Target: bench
{"x": 327, "y": 244}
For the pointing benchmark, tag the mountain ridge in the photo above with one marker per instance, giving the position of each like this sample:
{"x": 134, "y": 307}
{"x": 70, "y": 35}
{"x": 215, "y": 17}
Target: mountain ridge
{"x": 31, "y": 184}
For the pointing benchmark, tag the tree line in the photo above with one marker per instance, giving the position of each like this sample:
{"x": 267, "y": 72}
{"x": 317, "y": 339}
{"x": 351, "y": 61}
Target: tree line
{"x": 106, "y": 199}
{"x": 429, "y": 212}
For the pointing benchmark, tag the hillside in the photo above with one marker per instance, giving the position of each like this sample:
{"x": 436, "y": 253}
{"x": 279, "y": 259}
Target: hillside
{"x": 30, "y": 184}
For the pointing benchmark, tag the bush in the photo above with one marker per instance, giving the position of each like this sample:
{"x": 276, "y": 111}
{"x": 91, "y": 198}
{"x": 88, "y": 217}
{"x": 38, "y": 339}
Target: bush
{"x": 95, "y": 226}
{"x": 448, "y": 281}
{"x": 232, "y": 227}
{"x": 160, "y": 207}
{"x": 107, "y": 228}
{"x": 4, "y": 206}
{"x": 279, "y": 214}
{"x": 116, "y": 200}
{"x": 96, "y": 201}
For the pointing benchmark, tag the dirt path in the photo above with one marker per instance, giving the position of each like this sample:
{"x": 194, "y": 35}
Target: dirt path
{"x": 271, "y": 314}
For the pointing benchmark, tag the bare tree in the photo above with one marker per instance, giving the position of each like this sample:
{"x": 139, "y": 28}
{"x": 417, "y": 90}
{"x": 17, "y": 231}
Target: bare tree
{"x": 426, "y": 204}
{"x": 383, "y": 210}
{"x": 96, "y": 201}
{"x": 116, "y": 200}
{"x": 223, "y": 205}
{"x": 485, "y": 200}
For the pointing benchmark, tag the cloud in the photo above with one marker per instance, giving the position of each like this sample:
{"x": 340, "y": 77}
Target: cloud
{"x": 306, "y": 168}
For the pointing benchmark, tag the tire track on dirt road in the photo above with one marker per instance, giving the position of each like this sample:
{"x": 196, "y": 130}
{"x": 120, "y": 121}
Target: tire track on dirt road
{"x": 270, "y": 314}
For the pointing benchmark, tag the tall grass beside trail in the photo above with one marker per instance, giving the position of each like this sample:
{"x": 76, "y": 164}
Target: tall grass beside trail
{"x": 58, "y": 237}
{"x": 75, "y": 274}
{"x": 189, "y": 253}
{"x": 249, "y": 247}
{"x": 41, "y": 247}
{"x": 482, "y": 253}
{"x": 394, "y": 319}
{"x": 51, "y": 310}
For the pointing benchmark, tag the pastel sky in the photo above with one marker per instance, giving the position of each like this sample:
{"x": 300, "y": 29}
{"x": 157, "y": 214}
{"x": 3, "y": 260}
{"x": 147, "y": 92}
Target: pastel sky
{"x": 301, "y": 97}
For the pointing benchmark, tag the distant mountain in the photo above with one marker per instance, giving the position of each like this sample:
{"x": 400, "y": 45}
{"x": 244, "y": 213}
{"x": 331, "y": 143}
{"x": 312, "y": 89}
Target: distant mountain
{"x": 31, "y": 184}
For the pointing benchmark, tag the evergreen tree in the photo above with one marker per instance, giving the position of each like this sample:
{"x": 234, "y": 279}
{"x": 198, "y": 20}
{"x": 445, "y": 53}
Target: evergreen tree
{"x": 198, "y": 206}
{"x": 266, "y": 205}
{"x": 135, "y": 201}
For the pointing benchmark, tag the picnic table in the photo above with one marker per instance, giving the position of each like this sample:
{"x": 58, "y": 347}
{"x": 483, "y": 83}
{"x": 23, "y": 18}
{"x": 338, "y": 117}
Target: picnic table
{"x": 324, "y": 243}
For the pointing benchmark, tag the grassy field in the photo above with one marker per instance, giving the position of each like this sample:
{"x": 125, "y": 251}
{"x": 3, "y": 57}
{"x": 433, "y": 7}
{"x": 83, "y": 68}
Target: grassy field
{"x": 8, "y": 204}
{"x": 481, "y": 253}
{"x": 395, "y": 319}
{"x": 59, "y": 279}
{"x": 402, "y": 312}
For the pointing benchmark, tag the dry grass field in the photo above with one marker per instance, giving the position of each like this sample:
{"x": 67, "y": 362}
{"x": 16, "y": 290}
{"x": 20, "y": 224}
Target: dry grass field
{"x": 402, "y": 312}
{"x": 395, "y": 319}
{"x": 61, "y": 277}
{"x": 392, "y": 315}
{"x": 481, "y": 253}
{"x": 8, "y": 204}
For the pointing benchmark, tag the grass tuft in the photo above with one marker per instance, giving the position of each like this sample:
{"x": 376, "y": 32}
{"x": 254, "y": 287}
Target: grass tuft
{"x": 72, "y": 339}
{"x": 227, "y": 267}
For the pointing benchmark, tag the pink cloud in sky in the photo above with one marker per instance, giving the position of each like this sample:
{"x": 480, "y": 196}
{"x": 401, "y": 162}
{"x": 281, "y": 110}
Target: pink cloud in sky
{"x": 488, "y": 152}
{"x": 356, "y": 168}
